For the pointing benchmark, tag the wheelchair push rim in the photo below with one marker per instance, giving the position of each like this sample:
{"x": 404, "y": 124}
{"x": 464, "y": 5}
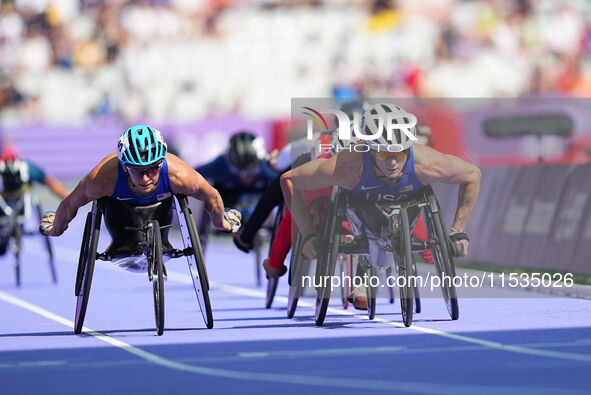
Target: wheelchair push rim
{"x": 158, "y": 273}
{"x": 87, "y": 270}
{"x": 403, "y": 264}
{"x": 195, "y": 261}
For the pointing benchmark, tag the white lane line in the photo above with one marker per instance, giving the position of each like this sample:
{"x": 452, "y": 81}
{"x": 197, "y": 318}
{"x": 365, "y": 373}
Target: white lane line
{"x": 186, "y": 279}
{"x": 323, "y": 352}
{"x": 390, "y": 385}
{"x": 463, "y": 338}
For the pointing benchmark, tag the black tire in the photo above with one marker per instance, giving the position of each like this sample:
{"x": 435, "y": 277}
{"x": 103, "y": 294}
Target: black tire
{"x": 403, "y": 262}
{"x": 444, "y": 264}
{"x": 158, "y": 272}
{"x": 258, "y": 260}
{"x": 273, "y": 282}
{"x": 416, "y": 288}
{"x": 271, "y": 290}
{"x": 50, "y": 256}
{"x": 370, "y": 291}
{"x": 83, "y": 253}
{"x": 84, "y": 293}
{"x": 197, "y": 265}
{"x": 50, "y": 259}
{"x": 297, "y": 268}
{"x": 18, "y": 233}
{"x": 325, "y": 269}
{"x": 391, "y": 285}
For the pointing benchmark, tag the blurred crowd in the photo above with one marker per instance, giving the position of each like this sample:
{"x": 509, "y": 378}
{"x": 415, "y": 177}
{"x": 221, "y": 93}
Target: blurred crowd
{"x": 63, "y": 61}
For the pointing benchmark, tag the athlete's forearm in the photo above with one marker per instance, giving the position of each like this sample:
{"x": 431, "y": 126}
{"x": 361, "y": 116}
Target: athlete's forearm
{"x": 296, "y": 204}
{"x": 214, "y": 206}
{"x": 467, "y": 197}
{"x": 66, "y": 211}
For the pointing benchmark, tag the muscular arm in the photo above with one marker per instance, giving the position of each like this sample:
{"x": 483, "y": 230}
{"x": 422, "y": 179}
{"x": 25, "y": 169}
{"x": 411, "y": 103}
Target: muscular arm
{"x": 433, "y": 166}
{"x": 185, "y": 180}
{"x": 96, "y": 184}
{"x": 339, "y": 170}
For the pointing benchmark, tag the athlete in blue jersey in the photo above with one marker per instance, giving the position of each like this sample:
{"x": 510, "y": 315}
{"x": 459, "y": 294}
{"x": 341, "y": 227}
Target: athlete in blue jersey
{"x": 381, "y": 175}
{"x": 241, "y": 171}
{"x": 140, "y": 172}
{"x": 16, "y": 176}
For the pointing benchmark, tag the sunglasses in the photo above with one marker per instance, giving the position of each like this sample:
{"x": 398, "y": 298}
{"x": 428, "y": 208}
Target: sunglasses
{"x": 387, "y": 155}
{"x": 139, "y": 171}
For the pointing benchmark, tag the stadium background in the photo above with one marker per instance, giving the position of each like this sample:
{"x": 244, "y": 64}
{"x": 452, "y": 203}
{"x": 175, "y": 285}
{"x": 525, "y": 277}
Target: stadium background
{"x": 73, "y": 74}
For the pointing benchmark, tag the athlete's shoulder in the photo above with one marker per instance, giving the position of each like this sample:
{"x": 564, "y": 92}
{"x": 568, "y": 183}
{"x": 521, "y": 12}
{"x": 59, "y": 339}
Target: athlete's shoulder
{"x": 106, "y": 168}
{"x": 180, "y": 173}
{"x": 426, "y": 156}
{"x": 102, "y": 178}
{"x": 348, "y": 160}
{"x": 347, "y": 167}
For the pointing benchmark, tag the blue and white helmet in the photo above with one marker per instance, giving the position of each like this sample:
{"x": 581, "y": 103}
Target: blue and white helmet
{"x": 141, "y": 145}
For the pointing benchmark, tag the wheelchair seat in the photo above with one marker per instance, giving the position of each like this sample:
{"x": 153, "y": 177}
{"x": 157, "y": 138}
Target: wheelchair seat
{"x": 125, "y": 243}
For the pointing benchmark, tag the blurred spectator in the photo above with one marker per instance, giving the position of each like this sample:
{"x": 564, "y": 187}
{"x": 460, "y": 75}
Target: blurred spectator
{"x": 67, "y": 60}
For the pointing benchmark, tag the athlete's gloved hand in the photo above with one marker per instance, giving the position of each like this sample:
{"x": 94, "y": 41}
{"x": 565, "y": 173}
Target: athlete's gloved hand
{"x": 46, "y": 222}
{"x": 459, "y": 244}
{"x": 234, "y": 217}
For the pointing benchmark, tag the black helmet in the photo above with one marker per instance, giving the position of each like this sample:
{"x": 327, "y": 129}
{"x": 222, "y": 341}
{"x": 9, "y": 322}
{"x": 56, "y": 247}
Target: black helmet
{"x": 245, "y": 152}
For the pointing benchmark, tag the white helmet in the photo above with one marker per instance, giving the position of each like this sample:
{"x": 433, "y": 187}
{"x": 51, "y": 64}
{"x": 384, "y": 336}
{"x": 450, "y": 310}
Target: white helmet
{"x": 403, "y": 133}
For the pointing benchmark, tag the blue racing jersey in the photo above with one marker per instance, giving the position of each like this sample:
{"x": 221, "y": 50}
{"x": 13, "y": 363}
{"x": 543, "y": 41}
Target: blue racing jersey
{"x": 369, "y": 187}
{"x": 219, "y": 175}
{"x": 124, "y": 194}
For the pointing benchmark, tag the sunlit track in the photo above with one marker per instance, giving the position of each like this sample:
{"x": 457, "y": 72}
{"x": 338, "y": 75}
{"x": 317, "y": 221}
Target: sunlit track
{"x": 263, "y": 350}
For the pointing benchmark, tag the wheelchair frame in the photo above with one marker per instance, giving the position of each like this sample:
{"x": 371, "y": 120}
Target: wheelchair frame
{"x": 151, "y": 248}
{"x": 13, "y": 221}
{"x": 400, "y": 245}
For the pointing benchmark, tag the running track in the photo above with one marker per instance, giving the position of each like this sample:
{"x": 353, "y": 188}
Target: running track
{"x": 523, "y": 342}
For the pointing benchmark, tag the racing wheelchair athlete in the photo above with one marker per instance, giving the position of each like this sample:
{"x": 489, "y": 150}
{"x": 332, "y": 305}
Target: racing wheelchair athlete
{"x": 387, "y": 177}
{"x": 135, "y": 190}
{"x": 18, "y": 202}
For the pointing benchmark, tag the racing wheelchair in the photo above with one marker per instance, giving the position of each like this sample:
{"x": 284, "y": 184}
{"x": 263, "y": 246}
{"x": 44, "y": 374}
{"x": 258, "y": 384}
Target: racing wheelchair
{"x": 390, "y": 224}
{"x": 142, "y": 247}
{"x": 206, "y": 231}
{"x": 15, "y": 213}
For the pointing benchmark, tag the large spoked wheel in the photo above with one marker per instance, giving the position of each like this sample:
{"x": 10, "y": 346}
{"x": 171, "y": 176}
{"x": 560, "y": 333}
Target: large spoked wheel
{"x": 444, "y": 265}
{"x": 50, "y": 257}
{"x": 158, "y": 273}
{"x": 416, "y": 288}
{"x": 88, "y": 252}
{"x": 297, "y": 268}
{"x": 325, "y": 269}
{"x": 196, "y": 262}
{"x": 370, "y": 290}
{"x": 403, "y": 261}
{"x": 272, "y": 282}
{"x": 83, "y": 253}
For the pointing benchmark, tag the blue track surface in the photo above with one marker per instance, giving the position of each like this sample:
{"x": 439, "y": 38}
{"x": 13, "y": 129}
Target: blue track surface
{"x": 520, "y": 343}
